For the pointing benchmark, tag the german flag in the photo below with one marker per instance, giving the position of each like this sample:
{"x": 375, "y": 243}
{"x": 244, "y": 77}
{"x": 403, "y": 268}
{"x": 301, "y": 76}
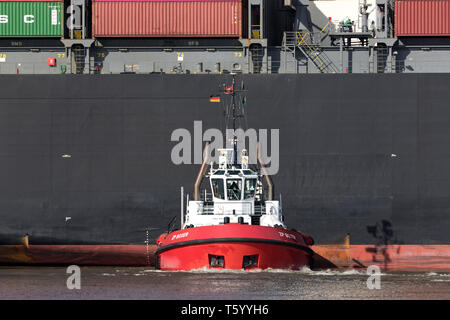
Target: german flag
{"x": 214, "y": 99}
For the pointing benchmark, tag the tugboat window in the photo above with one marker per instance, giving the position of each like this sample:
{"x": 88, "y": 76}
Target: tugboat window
{"x": 217, "y": 185}
{"x": 250, "y": 262}
{"x": 234, "y": 187}
{"x": 249, "y": 190}
{"x": 216, "y": 261}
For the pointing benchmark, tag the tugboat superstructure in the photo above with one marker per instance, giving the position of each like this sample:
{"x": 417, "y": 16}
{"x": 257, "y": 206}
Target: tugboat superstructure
{"x": 236, "y": 197}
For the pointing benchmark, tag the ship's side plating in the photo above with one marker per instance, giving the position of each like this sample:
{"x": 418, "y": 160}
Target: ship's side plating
{"x": 87, "y": 159}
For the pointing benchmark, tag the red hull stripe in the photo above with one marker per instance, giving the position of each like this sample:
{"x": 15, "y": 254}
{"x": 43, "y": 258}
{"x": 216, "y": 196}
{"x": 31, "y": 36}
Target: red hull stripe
{"x": 391, "y": 257}
{"x": 231, "y": 240}
{"x": 97, "y": 255}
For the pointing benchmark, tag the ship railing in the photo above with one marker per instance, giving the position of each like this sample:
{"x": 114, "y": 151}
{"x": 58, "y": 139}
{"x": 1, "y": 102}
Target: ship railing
{"x": 259, "y": 209}
{"x": 208, "y": 209}
{"x": 206, "y": 196}
{"x": 379, "y": 62}
{"x": 26, "y": 67}
{"x": 289, "y": 41}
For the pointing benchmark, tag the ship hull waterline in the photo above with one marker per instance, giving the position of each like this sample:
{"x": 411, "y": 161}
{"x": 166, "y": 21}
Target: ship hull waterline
{"x": 233, "y": 246}
{"x": 425, "y": 258}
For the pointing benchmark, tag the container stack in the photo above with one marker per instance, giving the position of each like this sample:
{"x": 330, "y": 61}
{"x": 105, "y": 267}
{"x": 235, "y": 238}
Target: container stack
{"x": 422, "y": 18}
{"x": 168, "y": 18}
{"x": 31, "y": 18}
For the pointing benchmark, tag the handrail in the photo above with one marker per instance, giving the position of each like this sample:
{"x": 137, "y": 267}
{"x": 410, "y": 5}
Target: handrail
{"x": 323, "y": 29}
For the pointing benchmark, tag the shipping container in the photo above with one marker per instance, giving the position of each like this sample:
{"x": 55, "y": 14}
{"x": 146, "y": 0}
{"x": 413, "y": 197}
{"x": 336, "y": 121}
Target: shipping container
{"x": 422, "y": 18}
{"x": 167, "y": 18}
{"x": 31, "y": 18}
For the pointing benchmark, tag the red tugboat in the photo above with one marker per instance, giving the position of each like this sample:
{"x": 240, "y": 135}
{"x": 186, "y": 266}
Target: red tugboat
{"x": 237, "y": 225}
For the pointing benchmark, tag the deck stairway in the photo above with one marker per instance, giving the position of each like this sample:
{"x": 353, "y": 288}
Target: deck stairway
{"x": 303, "y": 41}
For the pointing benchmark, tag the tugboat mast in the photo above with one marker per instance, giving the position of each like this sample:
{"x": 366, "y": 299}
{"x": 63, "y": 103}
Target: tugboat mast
{"x": 233, "y": 102}
{"x": 234, "y": 112}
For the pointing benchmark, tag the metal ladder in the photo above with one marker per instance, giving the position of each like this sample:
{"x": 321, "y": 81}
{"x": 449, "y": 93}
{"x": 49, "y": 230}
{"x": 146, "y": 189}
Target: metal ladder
{"x": 288, "y": 47}
{"x": 78, "y": 59}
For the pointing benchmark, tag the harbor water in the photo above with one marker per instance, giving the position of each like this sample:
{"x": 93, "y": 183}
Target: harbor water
{"x": 147, "y": 283}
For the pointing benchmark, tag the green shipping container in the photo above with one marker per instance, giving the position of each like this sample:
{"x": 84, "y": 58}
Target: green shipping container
{"x": 31, "y": 19}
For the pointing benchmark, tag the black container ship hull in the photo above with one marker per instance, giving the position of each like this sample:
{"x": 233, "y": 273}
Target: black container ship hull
{"x": 86, "y": 174}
